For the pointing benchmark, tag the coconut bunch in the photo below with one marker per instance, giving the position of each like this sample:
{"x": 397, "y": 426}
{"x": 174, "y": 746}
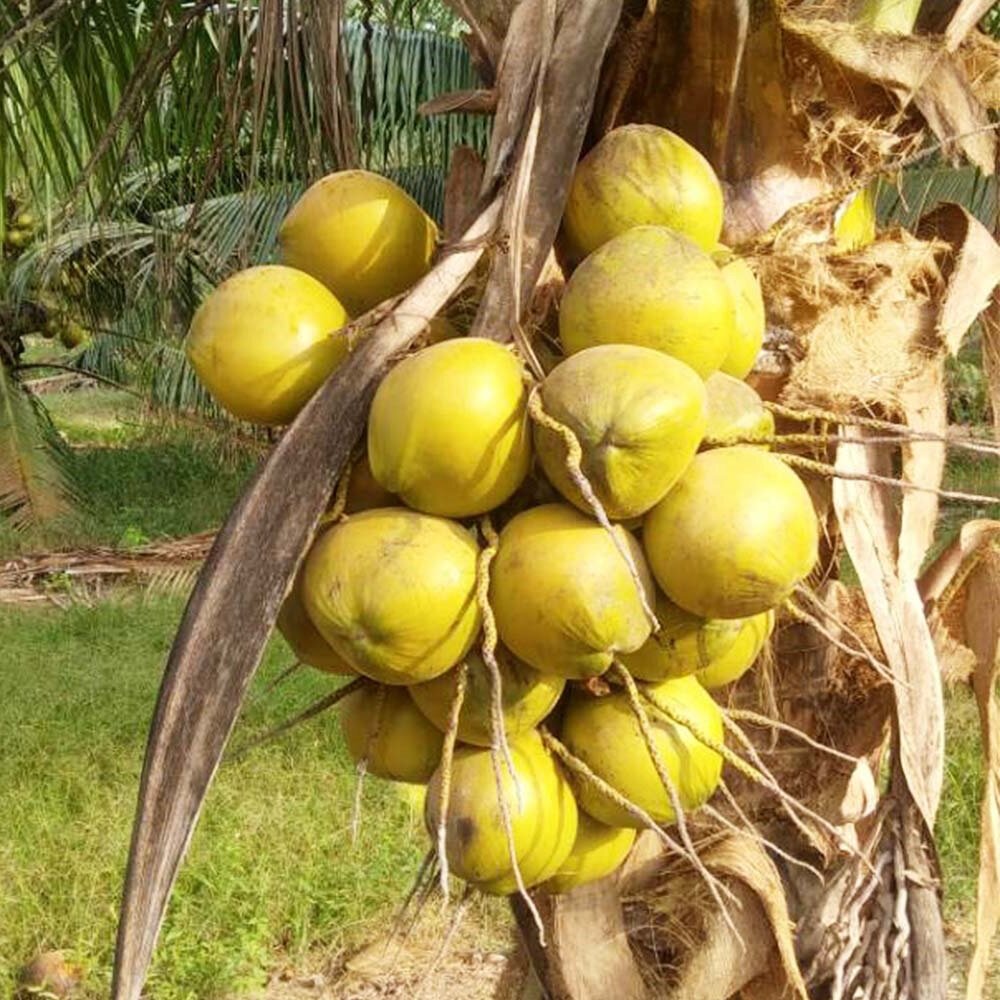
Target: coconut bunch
{"x": 537, "y": 581}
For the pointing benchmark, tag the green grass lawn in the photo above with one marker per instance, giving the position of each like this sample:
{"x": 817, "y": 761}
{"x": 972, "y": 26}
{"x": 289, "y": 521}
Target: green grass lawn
{"x": 137, "y": 482}
{"x": 271, "y": 876}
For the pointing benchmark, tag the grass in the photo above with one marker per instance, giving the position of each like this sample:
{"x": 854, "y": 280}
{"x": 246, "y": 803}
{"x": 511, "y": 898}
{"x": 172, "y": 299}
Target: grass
{"x": 137, "y": 482}
{"x": 271, "y": 872}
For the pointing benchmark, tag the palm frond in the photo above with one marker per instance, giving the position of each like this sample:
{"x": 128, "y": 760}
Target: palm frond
{"x": 922, "y": 188}
{"x": 35, "y": 483}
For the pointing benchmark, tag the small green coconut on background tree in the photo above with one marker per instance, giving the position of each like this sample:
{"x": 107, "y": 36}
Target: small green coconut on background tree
{"x": 635, "y": 526}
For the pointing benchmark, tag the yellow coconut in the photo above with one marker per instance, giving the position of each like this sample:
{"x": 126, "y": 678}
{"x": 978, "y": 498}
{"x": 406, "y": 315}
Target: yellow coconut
{"x": 527, "y": 696}
{"x": 597, "y": 851}
{"x": 544, "y": 821}
{"x": 855, "y": 220}
{"x": 654, "y": 288}
{"x": 684, "y": 645}
{"x": 639, "y": 417}
{"x": 605, "y": 735}
{"x": 748, "y": 301}
{"x": 361, "y": 235}
{"x": 562, "y": 594}
{"x": 304, "y": 638}
{"x": 641, "y": 175}
{"x": 395, "y": 741}
{"x": 734, "y": 536}
{"x": 264, "y": 341}
{"x": 735, "y": 412}
{"x": 448, "y": 430}
{"x": 740, "y": 657}
{"x": 393, "y": 592}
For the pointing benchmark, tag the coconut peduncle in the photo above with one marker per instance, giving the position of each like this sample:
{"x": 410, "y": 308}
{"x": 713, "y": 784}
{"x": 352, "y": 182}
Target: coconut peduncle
{"x": 321, "y": 705}
{"x": 574, "y": 459}
{"x": 373, "y": 736}
{"x": 498, "y": 732}
{"x": 715, "y": 887}
{"x": 447, "y": 756}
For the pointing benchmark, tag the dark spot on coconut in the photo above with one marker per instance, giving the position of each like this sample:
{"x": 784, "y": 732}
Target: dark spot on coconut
{"x": 465, "y": 830}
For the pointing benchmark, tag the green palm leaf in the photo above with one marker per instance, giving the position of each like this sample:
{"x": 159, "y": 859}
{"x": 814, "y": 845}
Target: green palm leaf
{"x": 35, "y": 484}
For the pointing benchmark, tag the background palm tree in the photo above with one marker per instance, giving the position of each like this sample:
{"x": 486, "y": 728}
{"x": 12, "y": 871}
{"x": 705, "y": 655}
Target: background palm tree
{"x": 148, "y": 150}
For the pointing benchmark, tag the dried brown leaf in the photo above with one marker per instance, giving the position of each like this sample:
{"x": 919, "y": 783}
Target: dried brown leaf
{"x": 870, "y": 529}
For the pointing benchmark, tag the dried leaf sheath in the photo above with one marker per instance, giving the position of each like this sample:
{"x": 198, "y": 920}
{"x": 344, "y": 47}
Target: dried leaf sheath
{"x": 235, "y": 604}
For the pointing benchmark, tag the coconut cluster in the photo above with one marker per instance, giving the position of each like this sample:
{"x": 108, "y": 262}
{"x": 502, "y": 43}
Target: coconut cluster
{"x": 621, "y": 519}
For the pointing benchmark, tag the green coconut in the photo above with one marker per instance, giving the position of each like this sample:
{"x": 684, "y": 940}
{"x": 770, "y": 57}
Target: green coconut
{"x": 735, "y": 412}
{"x": 654, "y": 288}
{"x": 604, "y": 733}
{"x": 639, "y": 416}
{"x": 527, "y": 697}
{"x": 734, "y": 537}
{"x": 542, "y": 811}
{"x": 740, "y": 657}
{"x": 642, "y": 175}
{"x": 396, "y": 742}
{"x": 562, "y": 594}
{"x": 684, "y": 645}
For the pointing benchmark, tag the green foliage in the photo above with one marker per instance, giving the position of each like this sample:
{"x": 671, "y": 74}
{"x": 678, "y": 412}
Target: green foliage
{"x": 34, "y": 481}
{"x": 158, "y": 147}
{"x": 271, "y": 875}
{"x": 968, "y": 392}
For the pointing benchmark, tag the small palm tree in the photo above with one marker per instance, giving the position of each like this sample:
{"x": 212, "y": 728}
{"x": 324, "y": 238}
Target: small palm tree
{"x": 158, "y": 147}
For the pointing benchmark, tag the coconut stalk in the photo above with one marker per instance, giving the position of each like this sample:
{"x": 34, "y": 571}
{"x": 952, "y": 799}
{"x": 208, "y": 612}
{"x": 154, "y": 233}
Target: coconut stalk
{"x": 729, "y": 76}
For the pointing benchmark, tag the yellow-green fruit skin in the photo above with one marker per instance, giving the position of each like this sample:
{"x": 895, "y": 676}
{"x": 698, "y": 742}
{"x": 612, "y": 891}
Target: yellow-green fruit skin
{"x": 855, "y": 221}
{"x": 641, "y": 175}
{"x": 562, "y": 595}
{"x": 748, "y": 301}
{"x": 739, "y": 658}
{"x": 544, "y": 821}
{"x": 734, "y": 536}
{"x": 364, "y": 492}
{"x": 393, "y": 592}
{"x": 265, "y": 340}
{"x": 406, "y": 746}
{"x": 448, "y": 428}
{"x": 735, "y": 412}
{"x": 604, "y": 734}
{"x": 361, "y": 235}
{"x": 597, "y": 851}
{"x": 527, "y": 695}
{"x": 639, "y": 416}
{"x": 684, "y": 645}
{"x": 304, "y": 638}
{"x": 654, "y": 288}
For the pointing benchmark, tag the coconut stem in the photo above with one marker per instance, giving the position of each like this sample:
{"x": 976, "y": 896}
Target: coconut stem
{"x": 373, "y": 735}
{"x": 691, "y": 852}
{"x": 830, "y": 472}
{"x": 805, "y": 439}
{"x": 498, "y": 732}
{"x": 588, "y": 777}
{"x": 756, "y": 719}
{"x": 447, "y": 755}
{"x": 751, "y": 828}
{"x": 759, "y": 775}
{"x": 508, "y": 830}
{"x": 901, "y": 431}
{"x": 574, "y": 466}
{"x": 327, "y": 701}
{"x": 803, "y": 616}
{"x": 277, "y": 682}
